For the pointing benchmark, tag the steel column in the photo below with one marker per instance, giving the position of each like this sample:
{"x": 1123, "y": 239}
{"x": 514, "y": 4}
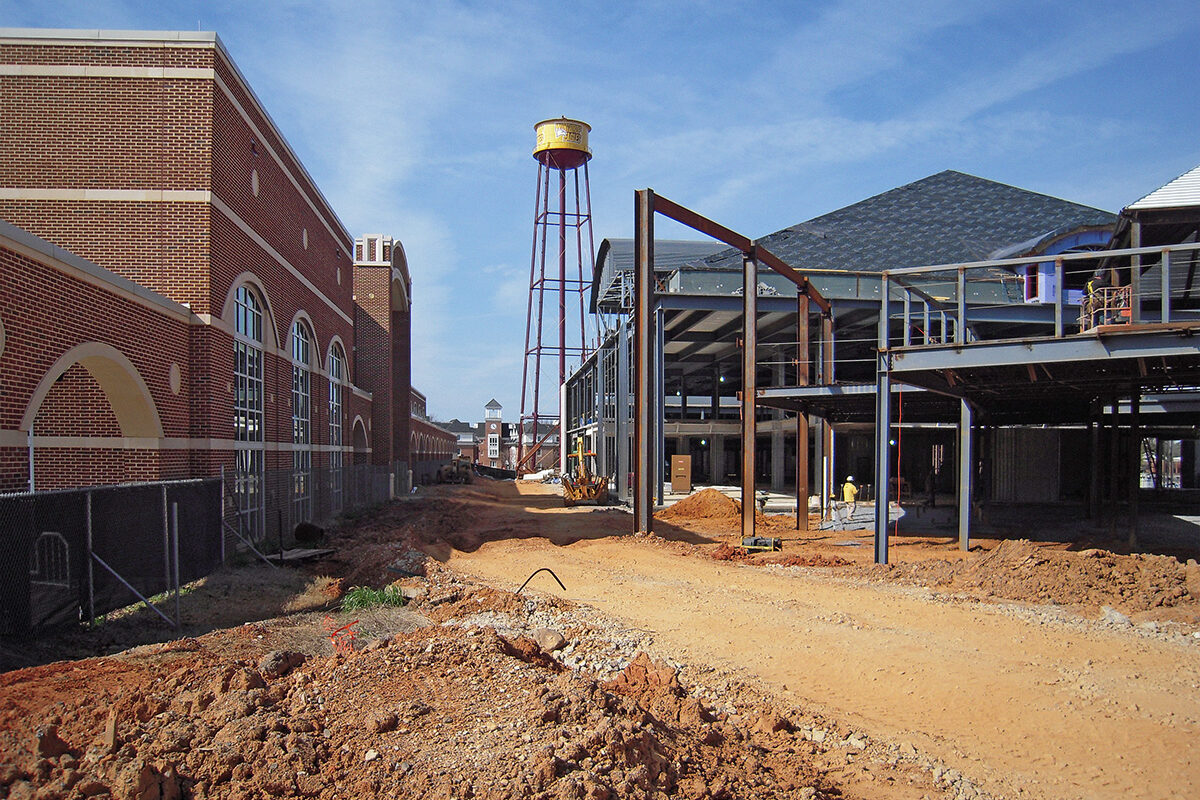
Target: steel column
{"x": 749, "y": 386}
{"x": 966, "y": 471}
{"x": 1059, "y": 276}
{"x": 1135, "y": 462}
{"x": 1165, "y": 282}
{"x": 1114, "y": 463}
{"x": 802, "y": 373}
{"x": 883, "y": 426}
{"x": 601, "y": 443}
{"x": 644, "y": 341}
{"x": 621, "y": 410}
{"x": 660, "y": 382}
{"x": 827, "y": 378}
{"x": 1135, "y": 275}
{"x": 960, "y": 323}
{"x": 1093, "y": 508}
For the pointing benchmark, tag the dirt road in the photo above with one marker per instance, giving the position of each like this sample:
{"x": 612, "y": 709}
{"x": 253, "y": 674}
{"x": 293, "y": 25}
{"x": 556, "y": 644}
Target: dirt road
{"x": 1029, "y": 701}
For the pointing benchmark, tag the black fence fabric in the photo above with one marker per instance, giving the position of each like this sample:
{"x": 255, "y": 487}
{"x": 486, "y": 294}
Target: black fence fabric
{"x": 270, "y": 507}
{"x": 49, "y": 577}
{"x": 45, "y": 562}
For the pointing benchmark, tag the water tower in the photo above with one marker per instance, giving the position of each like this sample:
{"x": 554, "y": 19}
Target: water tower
{"x": 560, "y": 225}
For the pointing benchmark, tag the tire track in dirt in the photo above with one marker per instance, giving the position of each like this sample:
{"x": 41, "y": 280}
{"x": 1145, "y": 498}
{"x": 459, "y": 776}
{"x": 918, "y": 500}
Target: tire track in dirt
{"x": 1030, "y": 706}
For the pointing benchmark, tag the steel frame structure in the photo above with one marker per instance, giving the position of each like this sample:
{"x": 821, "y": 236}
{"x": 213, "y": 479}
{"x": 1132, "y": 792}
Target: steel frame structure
{"x": 574, "y": 216}
{"x": 648, "y": 337}
{"x": 1158, "y": 348}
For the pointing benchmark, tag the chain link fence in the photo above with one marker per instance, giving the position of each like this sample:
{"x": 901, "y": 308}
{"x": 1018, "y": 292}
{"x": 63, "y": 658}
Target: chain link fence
{"x": 80, "y": 553}
{"x": 280, "y": 510}
{"x": 75, "y": 555}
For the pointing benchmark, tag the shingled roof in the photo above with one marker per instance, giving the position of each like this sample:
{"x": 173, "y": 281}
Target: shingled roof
{"x": 949, "y": 217}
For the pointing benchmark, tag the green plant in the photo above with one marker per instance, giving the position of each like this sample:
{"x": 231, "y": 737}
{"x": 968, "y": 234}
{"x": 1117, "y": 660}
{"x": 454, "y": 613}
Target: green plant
{"x": 361, "y": 597}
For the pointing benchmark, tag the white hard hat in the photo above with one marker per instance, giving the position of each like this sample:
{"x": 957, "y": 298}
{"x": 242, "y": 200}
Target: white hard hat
{"x": 850, "y": 479}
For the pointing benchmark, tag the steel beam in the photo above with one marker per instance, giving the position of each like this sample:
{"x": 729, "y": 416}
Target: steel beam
{"x": 1135, "y": 274}
{"x": 883, "y": 427}
{"x": 644, "y": 339}
{"x": 966, "y": 471}
{"x": 660, "y": 388}
{"x": 749, "y": 386}
{"x": 827, "y": 377}
{"x": 1093, "y": 507}
{"x": 1019, "y": 352}
{"x": 1135, "y": 464}
{"x": 621, "y": 409}
{"x": 802, "y": 373}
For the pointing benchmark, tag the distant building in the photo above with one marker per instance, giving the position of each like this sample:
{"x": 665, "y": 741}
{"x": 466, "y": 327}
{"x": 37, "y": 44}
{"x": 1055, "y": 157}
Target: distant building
{"x": 494, "y": 434}
{"x": 432, "y": 444}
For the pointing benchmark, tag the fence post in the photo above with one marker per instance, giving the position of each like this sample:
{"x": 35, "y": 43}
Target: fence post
{"x": 166, "y": 529}
{"x": 224, "y": 488}
{"x": 90, "y": 576}
{"x": 175, "y": 553}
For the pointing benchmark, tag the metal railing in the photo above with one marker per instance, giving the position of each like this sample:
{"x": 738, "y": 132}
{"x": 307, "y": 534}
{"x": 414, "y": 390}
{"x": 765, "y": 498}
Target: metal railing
{"x": 1048, "y": 296}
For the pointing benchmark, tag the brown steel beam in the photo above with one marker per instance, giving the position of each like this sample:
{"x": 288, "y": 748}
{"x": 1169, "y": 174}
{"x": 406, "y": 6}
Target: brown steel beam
{"x": 749, "y": 386}
{"x": 802, "y": 373}
{"x": 643, "y": 345}
{"x": 700, "y": 223}
{"x": 734, "y": 239}
{"x": 827, "y": 378}
{"x": 776, "y": 263}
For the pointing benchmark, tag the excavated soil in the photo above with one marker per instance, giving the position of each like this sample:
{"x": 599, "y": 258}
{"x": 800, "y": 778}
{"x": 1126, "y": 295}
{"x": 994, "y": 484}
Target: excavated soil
{"x": 704, "y": 504}
{"x": 1142, "y": 585}
{"x": 453, "y": 710}
{"x": 474, "y": 691}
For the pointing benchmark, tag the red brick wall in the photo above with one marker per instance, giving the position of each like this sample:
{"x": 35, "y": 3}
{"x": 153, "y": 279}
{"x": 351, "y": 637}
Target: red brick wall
{"x": 162, "y": 246}
{"x": 46, "y": 313}
{"x": 177, "y": 134}
{"x": 372, "y": 357}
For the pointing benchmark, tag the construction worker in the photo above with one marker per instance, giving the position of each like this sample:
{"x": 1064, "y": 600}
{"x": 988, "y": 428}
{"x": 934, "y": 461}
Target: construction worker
{"x": 850, "y": 492}
{"x": 1101, "y": 279}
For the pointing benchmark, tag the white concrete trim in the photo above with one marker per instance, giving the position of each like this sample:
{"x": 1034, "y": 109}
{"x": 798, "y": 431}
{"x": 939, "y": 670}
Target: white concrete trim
{"x": 126, "y": 389}
{"x": 57, "y": 37}
{"x": 219, "y": 205}
{"x": 20, "y": 438}
{"x": 107, "y": 195}
{"x": 26, "y": 244}
{"x": 92, "y": 71}
{"x": 347, "y": 378}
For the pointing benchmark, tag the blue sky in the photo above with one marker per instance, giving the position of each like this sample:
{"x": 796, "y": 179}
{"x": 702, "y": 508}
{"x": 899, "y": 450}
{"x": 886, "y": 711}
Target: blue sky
{"x": 416, "y": 119}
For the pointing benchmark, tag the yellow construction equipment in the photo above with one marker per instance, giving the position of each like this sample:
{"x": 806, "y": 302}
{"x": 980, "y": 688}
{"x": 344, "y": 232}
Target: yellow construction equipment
{"x": 580, "y": 484}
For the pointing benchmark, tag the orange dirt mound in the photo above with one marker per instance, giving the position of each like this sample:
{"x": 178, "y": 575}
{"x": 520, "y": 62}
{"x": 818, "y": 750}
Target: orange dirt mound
{"x": 726, "y": 553}
{"x": 704, "y": 504}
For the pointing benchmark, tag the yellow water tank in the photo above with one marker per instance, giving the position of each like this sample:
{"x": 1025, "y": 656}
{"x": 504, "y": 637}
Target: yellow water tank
{"x": 562, "y": 143}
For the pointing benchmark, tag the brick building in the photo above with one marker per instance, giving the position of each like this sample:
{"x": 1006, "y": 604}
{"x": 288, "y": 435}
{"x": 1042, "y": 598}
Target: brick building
{"x": 431, "y": 444}
{"x": 176, "y": 295}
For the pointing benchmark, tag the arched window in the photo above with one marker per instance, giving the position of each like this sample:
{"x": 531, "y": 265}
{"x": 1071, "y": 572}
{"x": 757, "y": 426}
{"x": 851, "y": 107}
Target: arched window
{"x": 337, "y": 370}
{"x": 301, "y": 340}
{"x": 248, "y": 409}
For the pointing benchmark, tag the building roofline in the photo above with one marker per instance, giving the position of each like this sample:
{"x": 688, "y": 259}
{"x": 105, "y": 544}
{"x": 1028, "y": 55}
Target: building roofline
{"x": 69, "y": 36}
